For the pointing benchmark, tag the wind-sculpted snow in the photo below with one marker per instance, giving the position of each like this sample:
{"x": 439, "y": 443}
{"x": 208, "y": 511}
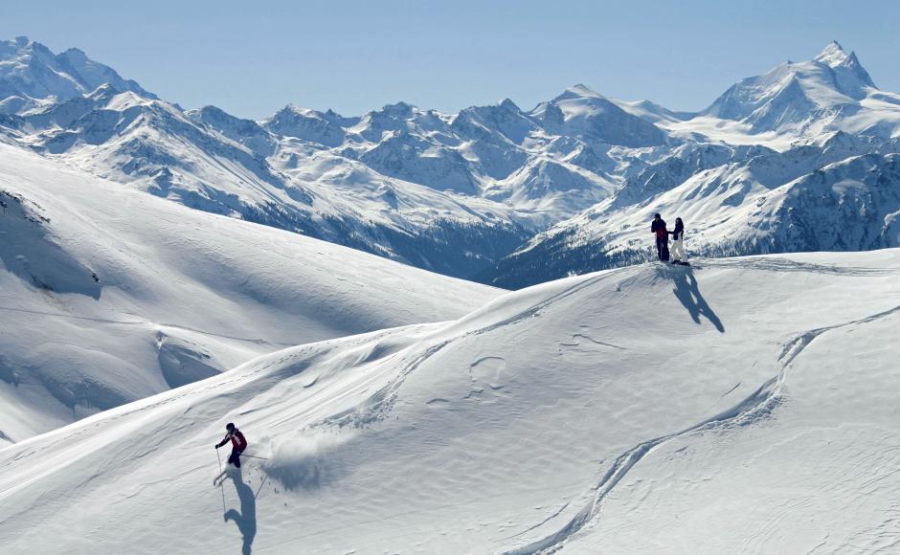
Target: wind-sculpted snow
{"x": 628, "y": 410}
{"x": 109, "y": 295}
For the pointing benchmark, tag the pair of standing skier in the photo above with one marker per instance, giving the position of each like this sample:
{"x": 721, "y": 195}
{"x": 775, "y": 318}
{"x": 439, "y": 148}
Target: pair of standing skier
{"x": 658, "y": 228}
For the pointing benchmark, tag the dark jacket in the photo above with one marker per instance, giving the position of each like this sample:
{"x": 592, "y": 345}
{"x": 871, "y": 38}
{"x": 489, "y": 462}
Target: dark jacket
{"x": 659, "y": 228}
{"x": 678, "y": 232}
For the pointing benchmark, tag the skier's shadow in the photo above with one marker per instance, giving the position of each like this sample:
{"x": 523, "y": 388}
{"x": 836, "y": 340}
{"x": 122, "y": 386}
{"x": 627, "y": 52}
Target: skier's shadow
{"x": 687, "y": 291}
{"x": 246, "y": 519}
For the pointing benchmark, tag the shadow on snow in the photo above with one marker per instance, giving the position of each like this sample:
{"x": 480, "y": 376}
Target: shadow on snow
{"x": 246, "y": 518}
{"x": 688, "y": 292}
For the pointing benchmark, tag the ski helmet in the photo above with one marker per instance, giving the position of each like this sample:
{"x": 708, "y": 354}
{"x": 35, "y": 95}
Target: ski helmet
{"x": 657, "y": 215}
{"x": 229, "y": 427}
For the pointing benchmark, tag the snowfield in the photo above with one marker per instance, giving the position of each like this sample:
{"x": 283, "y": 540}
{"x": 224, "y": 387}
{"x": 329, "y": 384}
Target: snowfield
{"x": 745, "y": 405}
{"x": 109, "y": 295}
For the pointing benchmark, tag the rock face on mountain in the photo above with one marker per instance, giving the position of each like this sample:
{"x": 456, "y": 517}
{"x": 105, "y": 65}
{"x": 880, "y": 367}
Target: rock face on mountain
{"x": 495, "y": 192}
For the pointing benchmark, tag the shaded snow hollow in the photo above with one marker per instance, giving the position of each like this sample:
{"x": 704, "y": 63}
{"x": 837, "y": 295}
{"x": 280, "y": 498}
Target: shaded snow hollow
{"x": 738, "y": 406}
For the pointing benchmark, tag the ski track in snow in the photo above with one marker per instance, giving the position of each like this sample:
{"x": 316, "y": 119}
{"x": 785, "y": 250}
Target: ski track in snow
{"x": 595, "y": 342}
{"x": 380, "y": 402}
{"x": 775, "y": 264}
{"x": 759, "y": 405}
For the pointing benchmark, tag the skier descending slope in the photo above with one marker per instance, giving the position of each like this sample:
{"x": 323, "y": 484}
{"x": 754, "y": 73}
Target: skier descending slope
{"x": 238, "y": 444}
{"x": 678, "y": 243}
{"x": 658, "y": 227}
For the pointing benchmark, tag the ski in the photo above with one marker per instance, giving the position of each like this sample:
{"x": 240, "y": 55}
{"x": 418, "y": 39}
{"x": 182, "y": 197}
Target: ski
{"x": 220, "y": 478}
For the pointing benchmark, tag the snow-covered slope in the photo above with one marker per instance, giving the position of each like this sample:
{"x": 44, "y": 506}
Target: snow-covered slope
{"x": 109, "y": 295}
{"x": 736, "y": 407}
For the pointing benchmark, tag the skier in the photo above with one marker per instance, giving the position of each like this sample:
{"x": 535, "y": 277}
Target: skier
{"x": 238, "y": 444}
{"x": 658, "y": 227}
{"x": 678, "y": 242}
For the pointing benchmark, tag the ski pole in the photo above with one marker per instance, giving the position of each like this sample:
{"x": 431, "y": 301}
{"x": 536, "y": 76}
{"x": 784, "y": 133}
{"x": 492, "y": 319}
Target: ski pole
{"x": 219, "y": 459}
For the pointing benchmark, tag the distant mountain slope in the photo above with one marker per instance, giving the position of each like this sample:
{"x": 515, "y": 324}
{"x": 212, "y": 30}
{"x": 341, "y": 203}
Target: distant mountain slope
{"x": 806, "y": 199}
{"x": 586, "y": 115}
{"x": 32, "y": 76}
{"x": 630, "y": 408}
{"x": 214, "y": 162}
{"x": 447, "y": 192}
{"x": 108, "y": 295}
{"x": 832, "y": 92}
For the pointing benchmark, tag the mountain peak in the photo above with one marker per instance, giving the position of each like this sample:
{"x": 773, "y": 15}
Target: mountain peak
{"x": 582, "y": 90}
{"x": 76, "y": 55}
{"x": 833, "y": 55}
{"x": 508, "y": 104}
{"x": 846, "y": 65}
{"x": 39, "y": 76}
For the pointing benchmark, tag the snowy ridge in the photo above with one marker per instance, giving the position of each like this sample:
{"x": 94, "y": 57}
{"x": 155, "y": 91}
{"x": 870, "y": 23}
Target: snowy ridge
{"x": 544, "y": 421}
{"x": 109, "y": 295}
{"x": 469, "y": 194}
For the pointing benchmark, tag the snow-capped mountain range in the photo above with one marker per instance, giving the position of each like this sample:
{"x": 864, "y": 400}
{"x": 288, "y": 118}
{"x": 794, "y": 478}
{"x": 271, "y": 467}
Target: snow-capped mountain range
{"x": 492, "y": 191}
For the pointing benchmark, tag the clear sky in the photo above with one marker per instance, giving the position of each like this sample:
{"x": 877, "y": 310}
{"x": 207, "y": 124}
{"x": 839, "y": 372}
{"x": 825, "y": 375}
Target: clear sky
{"x": 252, "y": 57}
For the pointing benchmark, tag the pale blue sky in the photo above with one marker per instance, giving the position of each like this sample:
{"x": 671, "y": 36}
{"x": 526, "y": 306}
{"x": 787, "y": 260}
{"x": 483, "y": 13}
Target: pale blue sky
{"x": 253, "y": 57}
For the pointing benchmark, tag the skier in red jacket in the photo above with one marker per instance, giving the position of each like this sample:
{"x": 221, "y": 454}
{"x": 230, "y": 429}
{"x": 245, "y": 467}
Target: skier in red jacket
{"x": 238, "y": 444}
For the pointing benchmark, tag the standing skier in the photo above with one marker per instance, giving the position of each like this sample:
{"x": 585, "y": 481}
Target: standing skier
{"x": 238, "y": 444}
{"x": 658, "y": 228}
{"x": 678, "y": 242}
